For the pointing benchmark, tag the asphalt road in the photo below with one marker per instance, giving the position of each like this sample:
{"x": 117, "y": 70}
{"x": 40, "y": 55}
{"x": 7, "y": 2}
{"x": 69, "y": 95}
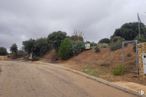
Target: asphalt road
{"x": 26, "y": 79}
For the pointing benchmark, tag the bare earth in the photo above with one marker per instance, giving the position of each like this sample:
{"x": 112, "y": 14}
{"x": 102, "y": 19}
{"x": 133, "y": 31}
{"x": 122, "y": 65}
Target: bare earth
{"x": 132, "y": 86}
{"x": 26, "y": 79}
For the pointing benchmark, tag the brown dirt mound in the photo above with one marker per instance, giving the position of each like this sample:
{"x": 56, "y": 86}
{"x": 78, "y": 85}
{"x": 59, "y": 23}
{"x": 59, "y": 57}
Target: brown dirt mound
{"x": 104, "y": 62}
{"x": 101, "y": 64}
{"x": 105, "y": 57}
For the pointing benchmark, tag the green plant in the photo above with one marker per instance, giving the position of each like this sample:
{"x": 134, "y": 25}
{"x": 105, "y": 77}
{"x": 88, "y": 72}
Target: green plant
{"x": 105, "y": 40}
{"x": 90, "y": 70}
{"x": 14, "y": 49}
{"x": 129, "y": 31}
{"x": 77, "y": 47}
{"x": 97, "y": 50}
{"x": 41, "y": 47}
{"x": 55, "y": 38}
{"x": 35, "y": 58}
{"x": 29, "y": 46}
{"x": 115, "y": 46}
{"x": 142, "y": 38}
{"x": 65, "y": 50}
{"x": 103, "y": 45}
{"x": 77, "y": 38}
{"x": 3, "y": 51}
{"x": 118, "y": 70}
{"x": 116, "y": 43}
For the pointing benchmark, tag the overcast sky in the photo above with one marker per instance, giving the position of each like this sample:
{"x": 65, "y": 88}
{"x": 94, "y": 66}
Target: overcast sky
{"x": 24, "y": 19}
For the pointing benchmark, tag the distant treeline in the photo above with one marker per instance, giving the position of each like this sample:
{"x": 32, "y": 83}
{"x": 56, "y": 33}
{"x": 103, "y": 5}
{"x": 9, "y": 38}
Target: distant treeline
{"x": 68, "y": 46}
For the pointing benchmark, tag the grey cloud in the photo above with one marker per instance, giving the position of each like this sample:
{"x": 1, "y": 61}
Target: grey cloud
{"x": 24, "y": 19}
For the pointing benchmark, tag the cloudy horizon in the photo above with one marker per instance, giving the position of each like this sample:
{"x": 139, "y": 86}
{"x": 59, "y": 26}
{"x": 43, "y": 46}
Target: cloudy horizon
{"x": 24, "y": 19}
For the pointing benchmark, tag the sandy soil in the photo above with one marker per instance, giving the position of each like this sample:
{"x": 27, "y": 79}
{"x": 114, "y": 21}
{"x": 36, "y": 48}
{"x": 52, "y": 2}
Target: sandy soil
{"x": 23, "y": 79}
{"x": 132, "y": 86}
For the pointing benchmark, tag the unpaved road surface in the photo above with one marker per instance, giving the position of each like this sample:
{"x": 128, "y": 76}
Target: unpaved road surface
{"x": 25, "y": 79}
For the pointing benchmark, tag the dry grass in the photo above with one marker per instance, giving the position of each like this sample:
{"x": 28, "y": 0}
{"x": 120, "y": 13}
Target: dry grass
{"x": 101, "y": 64}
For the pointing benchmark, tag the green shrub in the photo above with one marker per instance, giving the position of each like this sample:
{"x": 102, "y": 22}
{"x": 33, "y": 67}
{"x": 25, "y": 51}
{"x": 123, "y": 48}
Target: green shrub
{"x": 3, "y": 51}
{"x": 41, "y": 47}
{"x": 116, "y": 43}
{"x": 35, "y": 58}
{"x": 65, "y": 49}
{"x": 90, "y": 70}
{"x": 119, "y": 70}
{"x": 104, "y": 40}
{"x": 116, "y": 46}
{"x": 55, "y": 38}
{"x": 103, "y": 45}
{"x": 97, "y": 50}
{"x": 142, "y": 38}
{"x": 77, "y": 47}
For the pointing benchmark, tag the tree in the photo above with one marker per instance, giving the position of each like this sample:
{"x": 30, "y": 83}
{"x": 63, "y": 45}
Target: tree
{"x": 105, "y": 40}
{"x": 77, "y": 38}
{"x": 129, "y": 31}
{"x": 55, "y": 38}
{"x": 41, "y": 46}
{"x": 3, "y": 51}
{"x": 77, "y": 47}
{"x": 14, "y": 49}
{"x": 65, "y": 50}
{"x": 28, "y": 46}
{"x": 36, "y": 47}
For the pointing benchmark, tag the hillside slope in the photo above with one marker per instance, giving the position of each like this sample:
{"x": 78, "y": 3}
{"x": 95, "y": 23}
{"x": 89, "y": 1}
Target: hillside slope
{"x": 101, "y": 64}
{"x": 105, "y": 57}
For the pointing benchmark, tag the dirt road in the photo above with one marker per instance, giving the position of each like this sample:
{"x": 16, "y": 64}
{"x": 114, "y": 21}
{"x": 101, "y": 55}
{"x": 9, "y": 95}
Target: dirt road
{"x": 23, "y": 79}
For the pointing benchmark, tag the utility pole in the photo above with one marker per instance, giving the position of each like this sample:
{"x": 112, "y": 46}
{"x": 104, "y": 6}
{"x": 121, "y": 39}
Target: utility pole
{"x": 139, "y": 24}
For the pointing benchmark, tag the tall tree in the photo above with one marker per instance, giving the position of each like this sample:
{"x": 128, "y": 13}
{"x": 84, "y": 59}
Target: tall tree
{"x": 14, "y": 49}
{"x": 129, "y": 31}
{"x": 41, "y": 46}
{"x": 65, "y": 50}
{"x": 29, "y": 45}
{"x": 3, "y": 51}
{"x": 104, "y": 40}
{"x": 77, "y": 36}
{"x": 55, "y": 38}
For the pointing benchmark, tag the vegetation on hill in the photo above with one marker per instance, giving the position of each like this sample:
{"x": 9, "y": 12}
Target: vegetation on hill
{"x": 104, "y": 40}
{"x": 129, "y": 31}
{"x": 55, "y": 38}
{"x": 102, "y": 62}
{"x": 116, "y": 43}
{"x": 41, "y": 47}
{"x": 14, "y": 51}
{"x": 60, "y": 42}
{"x": 65, "y": 50}
{"x": 3, "y": 51}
